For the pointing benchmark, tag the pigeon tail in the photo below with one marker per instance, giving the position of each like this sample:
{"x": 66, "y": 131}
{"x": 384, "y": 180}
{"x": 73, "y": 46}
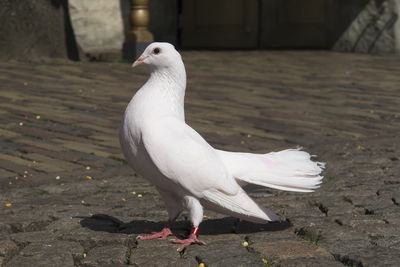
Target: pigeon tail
{"x": 289, "y": 170}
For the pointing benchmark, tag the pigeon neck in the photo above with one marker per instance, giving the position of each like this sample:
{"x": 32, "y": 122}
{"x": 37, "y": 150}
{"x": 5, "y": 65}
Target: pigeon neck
{"x": 170, "y": 84}
{"x": 170, "y": 77}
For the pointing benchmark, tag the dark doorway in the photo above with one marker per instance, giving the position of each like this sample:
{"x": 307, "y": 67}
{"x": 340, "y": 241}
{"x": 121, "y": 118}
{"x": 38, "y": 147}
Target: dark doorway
{"x": 219, "y": 24}
{"x": 250, "y": 24}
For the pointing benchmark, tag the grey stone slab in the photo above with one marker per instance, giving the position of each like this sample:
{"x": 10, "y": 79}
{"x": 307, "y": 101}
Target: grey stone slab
{"x": 97, "y": 25}
{"x": 106, "y": 255}
{"x": 53, "y": 253}
{"x": 225, "y": 252}
{"x": 8, "y": 249}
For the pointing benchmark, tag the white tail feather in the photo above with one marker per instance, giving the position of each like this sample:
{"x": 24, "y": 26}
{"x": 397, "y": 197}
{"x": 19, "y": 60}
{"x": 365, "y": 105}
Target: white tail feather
{"x": 239, "y": 205}
{"x": 290, "y": 170}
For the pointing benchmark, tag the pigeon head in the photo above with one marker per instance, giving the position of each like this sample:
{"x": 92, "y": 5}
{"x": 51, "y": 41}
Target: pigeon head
{"x": 159, "y": 55}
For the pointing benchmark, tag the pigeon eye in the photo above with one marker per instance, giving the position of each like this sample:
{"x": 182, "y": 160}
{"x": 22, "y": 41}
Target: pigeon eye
{"x": 156, "y": 51}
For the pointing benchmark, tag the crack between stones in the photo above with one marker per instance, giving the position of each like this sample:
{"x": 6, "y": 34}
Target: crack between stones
{"x": 368, "y": 211}
{"x": 308, "y": 235}
{"x": 33, "y": 226}
{"x": 339, "y": 222}
{"x": 324, "y": 209}
{"x": 347, "y": 261}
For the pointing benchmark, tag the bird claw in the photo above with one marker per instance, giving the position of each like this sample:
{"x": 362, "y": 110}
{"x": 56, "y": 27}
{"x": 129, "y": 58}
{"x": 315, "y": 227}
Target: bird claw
{"x": 186, "y": 242}
{"x": 154, "y": 235}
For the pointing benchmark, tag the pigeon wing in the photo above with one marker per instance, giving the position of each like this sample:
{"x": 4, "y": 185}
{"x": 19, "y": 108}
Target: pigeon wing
{"x": 183, "y": 156}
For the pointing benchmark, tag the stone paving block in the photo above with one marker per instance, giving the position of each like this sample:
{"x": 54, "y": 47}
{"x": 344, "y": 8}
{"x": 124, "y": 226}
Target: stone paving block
{"x": 64, "y": 155}
{"x": 82, "y": 147}
{"x": 225, "y": 253}
{"x": 16, "y": 160}
{"x": 53, "y": 253}
{"x": 5, "y": 173}
{"x": 11, "y": 95}
{"x": 45, "y": 134}
{"x": 284, "y": 250}
{"x": 5, "y": 228}
{"x": 21, "y": 111}
{"x": 111, "y": 254}
{"x": 55, "y": 164}
{"x": 91, "y": 239}
{"x": 159, "y": 253}
{"x": 101, "y": 129}
{"x": 22, "y": 239}
{"x": 106, "y": 140}
{"x": 8, "y": 249}
{"x": 7, "y": 134}
{"x": 40, "y": 144}
{"x": 309, "y": 262}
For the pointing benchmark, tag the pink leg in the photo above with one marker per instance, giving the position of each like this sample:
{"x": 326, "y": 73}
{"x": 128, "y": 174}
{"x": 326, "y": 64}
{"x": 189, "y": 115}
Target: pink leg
{"x": 166, "y": 231}
{"x": 191, "y": 240}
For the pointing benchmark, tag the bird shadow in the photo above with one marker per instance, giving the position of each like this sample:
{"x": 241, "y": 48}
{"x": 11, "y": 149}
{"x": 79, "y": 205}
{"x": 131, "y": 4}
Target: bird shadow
{"x": 226, "y": 225}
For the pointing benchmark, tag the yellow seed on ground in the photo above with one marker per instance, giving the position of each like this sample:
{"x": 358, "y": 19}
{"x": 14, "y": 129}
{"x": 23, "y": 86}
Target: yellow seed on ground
{"x": 139, "y": 195}
{"x": 123, "y": 199}
{"x": 8, "y": 205}
{"x": 37, "y": 117}
{"x": 87, "y": 167}
{"x": 84, "y": 255}
{"x": 133, "y": 193}
{"x": 202, "y": 265}
{"x": 245, "y": 244}
{"x": 88, "y": 177}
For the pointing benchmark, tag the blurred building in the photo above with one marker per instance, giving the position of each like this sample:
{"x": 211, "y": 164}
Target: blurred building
{"x": 356, "y": 25}
{"x": 92, "y": 29}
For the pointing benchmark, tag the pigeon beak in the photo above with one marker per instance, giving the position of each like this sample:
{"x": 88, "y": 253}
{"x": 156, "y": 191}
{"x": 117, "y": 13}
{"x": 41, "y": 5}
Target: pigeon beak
{"x": 139, "y": 61}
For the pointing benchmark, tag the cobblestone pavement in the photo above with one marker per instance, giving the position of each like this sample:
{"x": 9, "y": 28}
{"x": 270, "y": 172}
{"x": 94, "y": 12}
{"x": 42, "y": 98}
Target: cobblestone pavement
{"x": 68, "y": 198}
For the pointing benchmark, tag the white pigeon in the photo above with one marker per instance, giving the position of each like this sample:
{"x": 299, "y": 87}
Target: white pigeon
{"x": 185, "y": 169}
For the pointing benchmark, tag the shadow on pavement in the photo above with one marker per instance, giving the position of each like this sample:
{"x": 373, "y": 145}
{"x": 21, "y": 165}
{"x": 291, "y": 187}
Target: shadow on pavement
{"x": 106, "y": 223}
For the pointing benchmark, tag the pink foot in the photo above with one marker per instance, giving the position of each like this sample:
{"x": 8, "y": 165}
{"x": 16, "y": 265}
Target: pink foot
{"x": 186, "y": 242}
{"x": 166, "y": 231}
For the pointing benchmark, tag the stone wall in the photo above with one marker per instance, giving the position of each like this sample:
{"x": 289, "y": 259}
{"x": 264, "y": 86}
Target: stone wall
{"x": 375, "y": 30}
{"x": 397, "y": 27}
{"x": 35, "y": 29}
{"x": 98, "y": 28}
